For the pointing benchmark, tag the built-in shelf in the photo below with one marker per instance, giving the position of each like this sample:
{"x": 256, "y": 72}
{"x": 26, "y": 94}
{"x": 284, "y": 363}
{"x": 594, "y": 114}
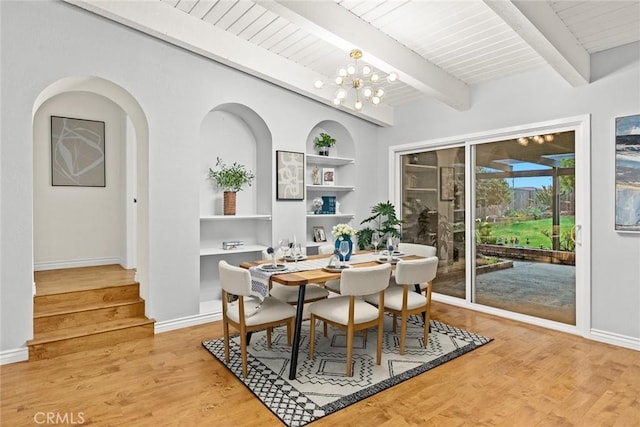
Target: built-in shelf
{"x": 241, "y": 249}
{"x": 340, "y": 215}
{"x": 430, "y": 190}
{"x": 328, "y": 160}
{"x": 234, "y": 217}
{"x": 330, "y": 188}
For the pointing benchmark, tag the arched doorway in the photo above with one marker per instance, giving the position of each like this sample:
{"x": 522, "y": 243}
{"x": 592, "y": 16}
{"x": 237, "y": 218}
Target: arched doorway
{"x": 134, "y": 150}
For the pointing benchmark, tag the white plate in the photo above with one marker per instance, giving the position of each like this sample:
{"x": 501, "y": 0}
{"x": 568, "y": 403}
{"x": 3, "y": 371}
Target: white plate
{"x": 384, "y": 259}
{"x": 338, "y": 269}
{"x": 269, "y": 267}
{"x": 395, "y": 253}
{"x": 292, "y": 259}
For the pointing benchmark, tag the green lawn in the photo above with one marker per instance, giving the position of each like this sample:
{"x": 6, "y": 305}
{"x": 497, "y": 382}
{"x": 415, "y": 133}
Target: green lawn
{"x": 531, "y": 229}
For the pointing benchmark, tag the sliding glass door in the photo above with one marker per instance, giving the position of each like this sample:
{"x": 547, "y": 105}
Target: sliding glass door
{"x": 524, "y": 227}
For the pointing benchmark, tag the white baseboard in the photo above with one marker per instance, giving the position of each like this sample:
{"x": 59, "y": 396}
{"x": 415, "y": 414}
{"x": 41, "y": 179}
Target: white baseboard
{"x": 14, "y": 356}
{"x": 57, "y": 265}
{"x": 615, "y": 339}
{"x": 185, "y": 322}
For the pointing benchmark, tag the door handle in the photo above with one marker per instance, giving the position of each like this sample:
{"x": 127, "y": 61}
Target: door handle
{"x": 576, "y": 234}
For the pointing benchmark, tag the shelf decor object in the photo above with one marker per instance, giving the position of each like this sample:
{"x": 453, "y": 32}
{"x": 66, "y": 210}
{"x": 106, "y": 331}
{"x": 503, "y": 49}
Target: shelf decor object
{"x": 77, "y": 152}
{"x": 328, "y": 176}
{"x": 343, "y": 233}
{"x": 319, "y": 234}
{"x": 290, "y": 175}
{"x": 230, "y": 179}
{"x": 627, "y": 171}
{"x": 328, "y": 205}
{"x": 323, "y": 143}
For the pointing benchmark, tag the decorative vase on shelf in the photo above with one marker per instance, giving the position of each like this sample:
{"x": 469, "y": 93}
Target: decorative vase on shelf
{"x": 337, "y": 246}
{"x": 229, "y": 203}
{"x": 323, "y": 151}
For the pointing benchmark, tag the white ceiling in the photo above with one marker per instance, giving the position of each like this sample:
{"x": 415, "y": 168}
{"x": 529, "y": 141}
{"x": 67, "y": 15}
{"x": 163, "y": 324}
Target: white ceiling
{"x": 438, "y": 48}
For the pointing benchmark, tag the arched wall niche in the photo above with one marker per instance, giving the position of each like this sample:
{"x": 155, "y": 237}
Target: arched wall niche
{"x": 137, "y": 149}
{"x": 344, "y": 147}
{"x": 236, "y": 133}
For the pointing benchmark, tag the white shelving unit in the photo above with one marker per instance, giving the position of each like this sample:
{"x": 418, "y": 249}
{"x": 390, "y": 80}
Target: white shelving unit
{"x": 342, "y": 190}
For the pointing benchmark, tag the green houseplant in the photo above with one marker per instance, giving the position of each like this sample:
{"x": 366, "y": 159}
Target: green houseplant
{"x": 383, "y": 221}
{"x": 323, "y": 143}
{"x": 230, "y": 179}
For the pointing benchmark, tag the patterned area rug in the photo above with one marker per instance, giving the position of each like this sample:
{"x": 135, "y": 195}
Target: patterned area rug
{"x": 321, "y": 386}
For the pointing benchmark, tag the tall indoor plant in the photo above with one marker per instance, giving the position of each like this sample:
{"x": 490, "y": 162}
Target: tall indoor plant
{"x": 383, "y": 221}
{"x": 230, "y": 179}
{"x": 323, "y": 143}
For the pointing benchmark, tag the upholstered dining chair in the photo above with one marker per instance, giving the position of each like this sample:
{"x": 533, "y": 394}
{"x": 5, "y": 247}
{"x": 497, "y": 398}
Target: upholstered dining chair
{"x": 249, "y": 314}
{"x": 289, "y": 294}
{"x": 349, "y": 312}
{"x": 402, "y": 301}
{"x": 425, "y": 251}
{"x": 332, "y": 285}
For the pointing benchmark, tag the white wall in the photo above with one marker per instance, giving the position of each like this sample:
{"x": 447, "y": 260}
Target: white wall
{"x": 538, "y": 96}
{"x": 43, "y": 42}
{"x": 79, "y": 225}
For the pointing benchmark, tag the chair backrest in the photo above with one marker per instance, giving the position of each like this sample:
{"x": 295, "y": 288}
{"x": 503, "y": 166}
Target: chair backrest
{"x": 416, "y": 249}
{"x": 326, "y": 249}
{"x": 412, "y": 272}
{"x": 365, "y": 280}
{"x": 234, "y": 280}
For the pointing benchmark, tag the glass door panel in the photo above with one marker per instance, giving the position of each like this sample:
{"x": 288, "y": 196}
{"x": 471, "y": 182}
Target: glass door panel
{"x": 433, "y": 211}
{"x": 524, "y": 220}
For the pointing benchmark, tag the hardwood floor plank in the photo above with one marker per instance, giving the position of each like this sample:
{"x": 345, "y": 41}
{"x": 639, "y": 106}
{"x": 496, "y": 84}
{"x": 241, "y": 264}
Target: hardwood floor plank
{"x": 526, "y": 376}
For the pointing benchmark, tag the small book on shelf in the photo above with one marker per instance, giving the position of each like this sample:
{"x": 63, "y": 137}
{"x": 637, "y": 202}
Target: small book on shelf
{"x": 328, "y": 204}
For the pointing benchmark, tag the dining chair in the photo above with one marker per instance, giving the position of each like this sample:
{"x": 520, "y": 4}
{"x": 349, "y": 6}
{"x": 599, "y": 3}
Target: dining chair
{"x": 332, "y": 285}
{"x": 425, "y": 251}
{"x": 248, "y": 313}
{"x": 402, "y": 301}
{"x": 349, "y": 312}
{"x": 289, "y": 294}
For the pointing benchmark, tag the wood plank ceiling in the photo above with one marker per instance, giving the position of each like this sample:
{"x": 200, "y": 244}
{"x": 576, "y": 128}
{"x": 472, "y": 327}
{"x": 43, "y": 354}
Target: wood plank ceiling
{"x": 438, "y": 48}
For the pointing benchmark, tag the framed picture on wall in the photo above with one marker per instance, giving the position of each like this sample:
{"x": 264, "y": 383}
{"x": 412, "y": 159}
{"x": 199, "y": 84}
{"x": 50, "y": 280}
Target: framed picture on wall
{"x": 328, "y": 176}
{"x": 289, "y": 175}
{"x": 319, "y": 234}
{"x": 627, "y": 174}
{"x": 447, "y": 191}
{"x": 77, "y": 152}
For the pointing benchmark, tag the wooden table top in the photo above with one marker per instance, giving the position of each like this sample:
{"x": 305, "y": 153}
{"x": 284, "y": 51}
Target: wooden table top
{"x": 319, "y": 275}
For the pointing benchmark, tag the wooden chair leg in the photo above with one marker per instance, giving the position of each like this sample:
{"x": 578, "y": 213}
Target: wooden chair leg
{"x": 324, "y": 329}
{"x": 380, "y": 337}
{"x": 269, "y": 337}
{"x": 349, "y": 349}
{"x": 403, "y": 331}
{"x": 225, "y": 326}
{"x": 243, "y": 352}
{"x": 312, "y": 335}
{"x": 395, "y": 320}
{"x": 290, "y": 327}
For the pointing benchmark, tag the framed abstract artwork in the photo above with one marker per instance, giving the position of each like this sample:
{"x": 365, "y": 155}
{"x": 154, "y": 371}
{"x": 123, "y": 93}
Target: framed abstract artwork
{"x": 627, "y": 205}
{"x": 77, "y": 152}
{"x": 290, "y": 175}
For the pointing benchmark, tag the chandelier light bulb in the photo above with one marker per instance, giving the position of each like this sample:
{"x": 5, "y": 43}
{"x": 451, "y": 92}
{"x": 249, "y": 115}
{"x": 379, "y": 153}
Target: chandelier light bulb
{"x": 379, "y": 92}
{"x": 366, "y": 70}
{"x": 523, "y": 141}
{"x": 337, "y": 101}
{"x": 318, "y": 84}
{"x": 392, "y": 77}
{"x": 342, "y": 72}
{"x": 358, "y": 105}
{"x": 375, "y": 100}
{"x": 538, "y": 139}
{"x": 341, "y": 94}
{"x": 548, "y": 137}
{"x": 351, "y": 70}
{"x": 375, "y": 77}
{"x": 367, "y": 92}
{"x": 339, "y": 81}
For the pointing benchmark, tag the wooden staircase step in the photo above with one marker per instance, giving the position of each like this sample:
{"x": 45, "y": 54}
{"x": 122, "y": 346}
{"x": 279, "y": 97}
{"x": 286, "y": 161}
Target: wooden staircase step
{"x": 70, "y": 340}
{"x": 68, "y": 301}
{"x": 51, "y": 320}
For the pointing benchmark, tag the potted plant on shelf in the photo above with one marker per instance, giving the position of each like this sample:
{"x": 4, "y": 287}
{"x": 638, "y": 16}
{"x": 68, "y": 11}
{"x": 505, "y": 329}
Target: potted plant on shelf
{"x": 323, "y": 143}
{"x": 231, "y": 179}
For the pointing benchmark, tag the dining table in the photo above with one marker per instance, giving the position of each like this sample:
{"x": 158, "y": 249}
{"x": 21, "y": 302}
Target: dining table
{"x": 313, "y": 270}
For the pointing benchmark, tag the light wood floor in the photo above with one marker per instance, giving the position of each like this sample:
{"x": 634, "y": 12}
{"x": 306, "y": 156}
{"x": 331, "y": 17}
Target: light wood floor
{"x": 528, "y": 376}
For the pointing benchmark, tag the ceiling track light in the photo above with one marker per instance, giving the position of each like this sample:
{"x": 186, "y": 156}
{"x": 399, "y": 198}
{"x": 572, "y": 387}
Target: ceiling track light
{"x": 362, "y": 80}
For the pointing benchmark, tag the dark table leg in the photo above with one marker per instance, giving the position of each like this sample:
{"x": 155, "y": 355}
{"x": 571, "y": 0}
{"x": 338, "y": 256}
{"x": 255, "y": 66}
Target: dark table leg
{"x": 296, "y": 334}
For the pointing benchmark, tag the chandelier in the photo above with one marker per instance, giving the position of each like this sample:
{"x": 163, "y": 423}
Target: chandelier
{"x": 363, "y": 80}
{"x": 538, "y": 139}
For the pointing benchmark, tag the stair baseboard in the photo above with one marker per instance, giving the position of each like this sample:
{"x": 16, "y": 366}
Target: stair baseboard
{"x": 105, "y": 334}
